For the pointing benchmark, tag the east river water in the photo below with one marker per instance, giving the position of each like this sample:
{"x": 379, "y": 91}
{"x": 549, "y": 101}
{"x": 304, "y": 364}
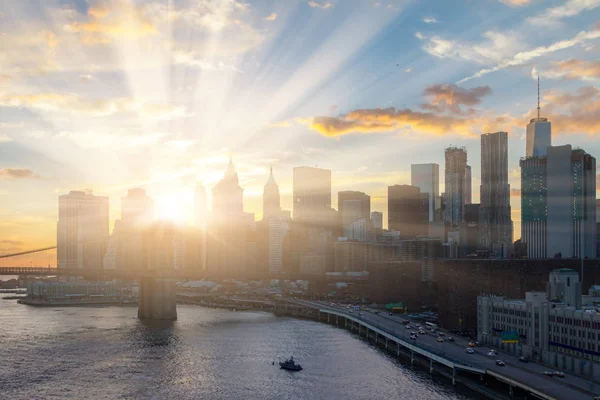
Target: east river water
{"x": 107, "y": 353}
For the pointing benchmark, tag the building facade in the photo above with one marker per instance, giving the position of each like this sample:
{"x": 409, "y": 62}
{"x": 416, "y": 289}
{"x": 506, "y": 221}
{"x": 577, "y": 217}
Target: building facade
{"x": 312, "y": 195}
{"x": 495, "y": 219}
{"x": 427, "y": 178}
{"x": 456, "y": 184}
{"x": 353, "y": 206}
{"x": 407, "y": 211}
{"x": 82, "y": 230}
{"x": 558, "y": 204}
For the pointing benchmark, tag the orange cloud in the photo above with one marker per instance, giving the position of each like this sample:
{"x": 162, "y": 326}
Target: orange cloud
{"x": 389, "y": 120}
{"x": 515, "y": 192}
{"x": 98, "y": 12}
{"x": 578, "y": 68}
{"x": 17, "y": 173}
{"x": 450, "y": 97}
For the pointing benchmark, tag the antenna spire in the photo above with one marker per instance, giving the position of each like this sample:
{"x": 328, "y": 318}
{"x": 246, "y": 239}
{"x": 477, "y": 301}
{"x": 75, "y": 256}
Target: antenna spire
{"x": 538, "y": 107}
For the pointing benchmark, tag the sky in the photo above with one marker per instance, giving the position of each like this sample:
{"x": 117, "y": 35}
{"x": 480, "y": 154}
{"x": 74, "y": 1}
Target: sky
{"x": 112, "y": 95}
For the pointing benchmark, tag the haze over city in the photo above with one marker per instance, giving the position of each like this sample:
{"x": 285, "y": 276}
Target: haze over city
{"x": 119, "y": 94}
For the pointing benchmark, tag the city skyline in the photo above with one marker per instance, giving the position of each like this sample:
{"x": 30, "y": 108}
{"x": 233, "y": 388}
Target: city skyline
{"x": 78, "y": 111}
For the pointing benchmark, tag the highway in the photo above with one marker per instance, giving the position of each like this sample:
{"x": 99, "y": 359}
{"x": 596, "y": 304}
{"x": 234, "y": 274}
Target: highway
{"x": 570, "y": 387}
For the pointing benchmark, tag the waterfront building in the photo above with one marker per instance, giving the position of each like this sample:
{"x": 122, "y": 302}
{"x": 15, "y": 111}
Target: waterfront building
{"x": 312, "y": 195}
{"x": 407, "y": 211}
{"x": 550, "y": 326}
{"x": 495, "y": 219}
{"x": 82, "y": 230}
{"x": 456, "y": 184}
{"x": 362, "y": 230}
{"x": 427, "y": 178}
{"x": 136, "y": 217}
{"x": 469, "y": 231}
{"x": 72, "y": 291}
{"x": 351, "y": 256}
{"x": 558, "y": 203}
{"x": 278, "y": 229}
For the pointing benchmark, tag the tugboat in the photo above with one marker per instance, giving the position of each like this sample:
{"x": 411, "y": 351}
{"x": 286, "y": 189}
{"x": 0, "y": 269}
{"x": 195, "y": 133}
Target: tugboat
{"x": 290, "y": 365}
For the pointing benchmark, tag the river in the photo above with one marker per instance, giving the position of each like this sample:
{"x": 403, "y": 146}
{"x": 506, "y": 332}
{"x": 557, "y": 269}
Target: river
{"x": 107, "y": 353}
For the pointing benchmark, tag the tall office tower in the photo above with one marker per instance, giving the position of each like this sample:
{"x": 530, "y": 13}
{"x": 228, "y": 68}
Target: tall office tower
{"x": 558, "y": 204}
{"x": 456, "y": 185}
{"x": 278, "y": 228}
{"x": 427, "y": 178}
{"x": 228, "y": 229}
{"x": 352, "y": 206}
{"x": 469, "y": 230}
{"x": 312, "y": 195}
{"x": 408, "y": 211}
{"x": 271, "y": 198}
{"x": 128, "y": 234}
{"x": 227, "y": 195}
{"x": 468, "y": 185}
{"x": 539, "y": 133}
{"x": 82, "y": 230}
{"x": 377, "y": 218}
{"x": 495, "y": 219}
{"x": 200, "y": 205}
{"x": 137, "y": 208}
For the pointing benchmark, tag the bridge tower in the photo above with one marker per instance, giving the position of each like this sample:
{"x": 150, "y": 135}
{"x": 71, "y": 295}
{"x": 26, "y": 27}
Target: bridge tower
{"x": 158, "y": 298}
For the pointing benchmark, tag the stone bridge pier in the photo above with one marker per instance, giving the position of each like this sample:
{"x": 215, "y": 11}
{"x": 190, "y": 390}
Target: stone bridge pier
{"x": 158, "y": 298}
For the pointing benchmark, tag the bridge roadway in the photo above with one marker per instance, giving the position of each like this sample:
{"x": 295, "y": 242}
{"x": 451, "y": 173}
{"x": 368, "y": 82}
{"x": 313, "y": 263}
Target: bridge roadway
{"x": 525, "y": 375}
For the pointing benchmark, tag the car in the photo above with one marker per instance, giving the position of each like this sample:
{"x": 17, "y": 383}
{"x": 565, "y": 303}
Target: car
{"x": 558, "y": 374}
{"x": 440, "y": 340}
{"x": 523, "y": 359}
{"x": 548, "y": 373}
{"x": 500, "y": 363}
{"x": 407, "y": 327}
{"x": 405, "y": 321}
{"x": 472, "y": 344}
{"x": 390, "y": 314}
{"x": 450, "y": 339}
{"x": 350, "y": 311}
{"x": 421, "y": 332}
{"x": 492, "y": 353}
{"x": 469, "y": 350}
{"x": 413, "y": 337}
{"x": 442, "y": 334}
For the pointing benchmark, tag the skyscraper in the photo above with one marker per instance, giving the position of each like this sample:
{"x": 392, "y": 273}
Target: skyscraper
{"x": 377, "y": 218}
{"x": 227, "y": 195}
{"x": 353, "y": 206}
{"x": 456, "y": 185}
{"x": 200, "y": 207}
{"x": 271, "y": 198}
{"x": 495, "y": 219}
{"x": 407, "y": 211}
{"x": 427, "y": 178}
{"x": 539, "y": 133}
{"x": 558, "y": 209}
{"x": 137, "y": 208}
{"x": 312, "y": 195}
{"x": 82, "y": 230}
{"x": 468, "y": 185}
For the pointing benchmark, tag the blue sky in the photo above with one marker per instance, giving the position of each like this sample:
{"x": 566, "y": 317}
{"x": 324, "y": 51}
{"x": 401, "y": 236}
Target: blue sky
{"x": 117, "y": 94}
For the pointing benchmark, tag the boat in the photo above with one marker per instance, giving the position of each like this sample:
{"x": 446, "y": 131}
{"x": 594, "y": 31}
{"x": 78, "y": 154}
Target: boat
{"x": 290, "y": 365}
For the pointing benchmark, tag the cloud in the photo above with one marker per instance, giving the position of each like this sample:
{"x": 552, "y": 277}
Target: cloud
{"x": 516, "y": 3}
{"x": 577, "y": 69}
{"x": 494, "y": 47}
{"x": 515, "y": 192}
{"x": 12, "y": 242}
{"x": 552, "y": 16}
{"x": 281, "y": 124}
{"x": 450, "y": 97}
{"x": 323, "y": 6}
{"x": 17, "y": 173}
{"x": 390, "y": 120}
{"x": 86, "y": 78}
{"x": 577, "y": 112}
{"x": 430, "y": 20}
{"x": 193, "y": 59}
{"x": 98, "y": 139}
{"x": 56, "y": 102}
{"x": 524, "y": 57}
{"x": 271, "y": 17}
